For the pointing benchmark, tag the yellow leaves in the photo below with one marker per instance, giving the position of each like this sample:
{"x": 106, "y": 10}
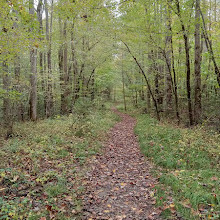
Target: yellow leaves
{"x": 172, "y": 205}
{"x": 152, "y": 194}
{"x": 11, "y": 214}
{"x": 58, "y": 117}
{"x": 177, "y": 172}
{"x": 2, "y": 174}
{"x": 114, "y": 171}
{"x": 36, "y": 44}
{"x": 123, "y": 185}
{"x": 109, "y": 206}
{"x": 172, "y": 208}
{"x": 116, "y": 189}
{"x": 41, "y": 180}
{"x": 106, "y": 211}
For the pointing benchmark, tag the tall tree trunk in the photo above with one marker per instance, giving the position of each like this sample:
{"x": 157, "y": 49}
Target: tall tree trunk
{"x": 123, "y": 83}
{"x": 8, "y": 122}
{"x": 168, "y": 76}
{"x": 160, "y": 73}
{"x": 17, "y": 72}
{"x": 175, "y": 83}
{"x": 44, "y": 82}
{"x": 75, "y": 68}
{"x": 171, "y": 64}
{"x": 65, "y": 78}
{"x": 156, "y": 84}
{"x": 188, "y": 76}
{"x": 41, "y": 54}
{"x": 33, "y": 76}
{"x": 155, "y": 68}
{"x": 18, "y": 106}
{"x": 49, "y": 104}
{"x": 93, "y": 85}
{"x": 197, "y": 65}
{"x": 60, "y": 55}
{"x": 148, "y": 101}
{"x": 188, "y": 71}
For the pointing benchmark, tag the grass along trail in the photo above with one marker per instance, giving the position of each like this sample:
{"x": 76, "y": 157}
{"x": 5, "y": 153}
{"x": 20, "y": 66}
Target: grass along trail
{"x": 41, "y": 168}
{"x": 119, "y": 184}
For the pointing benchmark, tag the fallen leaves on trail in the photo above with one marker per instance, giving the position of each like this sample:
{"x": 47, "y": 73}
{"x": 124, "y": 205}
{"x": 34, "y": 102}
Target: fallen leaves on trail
{"x": 119, "y": 185}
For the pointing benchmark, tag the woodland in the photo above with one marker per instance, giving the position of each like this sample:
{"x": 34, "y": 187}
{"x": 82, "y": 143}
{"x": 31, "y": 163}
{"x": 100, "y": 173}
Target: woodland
{"x": 139, "y": 75}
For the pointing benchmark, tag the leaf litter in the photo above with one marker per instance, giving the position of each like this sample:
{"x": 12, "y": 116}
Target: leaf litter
{"x": 119, "y": 184}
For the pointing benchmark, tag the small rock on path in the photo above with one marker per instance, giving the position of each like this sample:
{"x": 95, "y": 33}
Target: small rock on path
{"x": 119, "y": 184}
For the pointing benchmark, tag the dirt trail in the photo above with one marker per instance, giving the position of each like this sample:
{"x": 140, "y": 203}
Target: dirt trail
{"x": 119, "y": 185}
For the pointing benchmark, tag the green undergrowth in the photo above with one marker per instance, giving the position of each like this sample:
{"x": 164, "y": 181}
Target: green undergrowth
{"x": 188, "y": 163}
{"x": 42, "y": 165}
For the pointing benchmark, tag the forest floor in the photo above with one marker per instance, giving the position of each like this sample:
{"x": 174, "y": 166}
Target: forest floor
{"x": 43, "y": 163}
{"x": 58, "y": 169}
{"x": 120, "y": 184}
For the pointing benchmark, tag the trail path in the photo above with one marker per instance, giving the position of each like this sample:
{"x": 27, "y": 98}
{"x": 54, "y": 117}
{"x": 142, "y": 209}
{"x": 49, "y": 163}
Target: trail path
{"x": 119, "y": 185}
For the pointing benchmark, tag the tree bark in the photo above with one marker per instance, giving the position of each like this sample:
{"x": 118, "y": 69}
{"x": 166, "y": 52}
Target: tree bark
{"x": 168, "y": 76}
{"x": 17, "y": 72}
{"x": 188, "y": 71}
{"x": 171, "y": 63}
{"x": 93, "y": 85}
{"x": 33, "y": 76}
{"x": 65, "y": 77}
{"x": 49, "y": 103}
{"x": 123, "y": 83}
{"x": 7, "y": 116}
{"x": 41, "y": 54}
{"x": 197, "y": 65}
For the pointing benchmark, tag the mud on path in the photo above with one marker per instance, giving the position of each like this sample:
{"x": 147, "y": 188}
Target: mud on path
{"x": 119, "y": 184}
